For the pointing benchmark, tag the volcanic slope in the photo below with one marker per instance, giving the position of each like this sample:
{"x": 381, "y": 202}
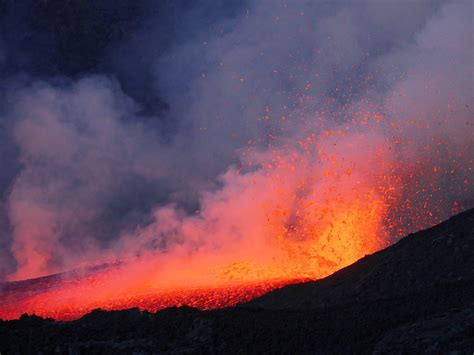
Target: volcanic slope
{"x": 415, "y": 296}
{"x": 426, "y": 260}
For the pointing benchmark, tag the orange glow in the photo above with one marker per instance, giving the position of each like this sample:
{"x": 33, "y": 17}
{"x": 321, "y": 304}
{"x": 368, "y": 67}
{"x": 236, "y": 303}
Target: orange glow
{"x": 303, "y": 211}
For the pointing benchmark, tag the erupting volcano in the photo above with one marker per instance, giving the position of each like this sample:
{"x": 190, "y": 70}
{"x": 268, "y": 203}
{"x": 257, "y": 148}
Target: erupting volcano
{"x": 226, "y": 150}
{"x": 293, "y": 213}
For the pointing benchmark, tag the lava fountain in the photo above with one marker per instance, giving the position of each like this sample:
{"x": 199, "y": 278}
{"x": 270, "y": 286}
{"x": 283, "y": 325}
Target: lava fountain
{"x": 300, "y": 210}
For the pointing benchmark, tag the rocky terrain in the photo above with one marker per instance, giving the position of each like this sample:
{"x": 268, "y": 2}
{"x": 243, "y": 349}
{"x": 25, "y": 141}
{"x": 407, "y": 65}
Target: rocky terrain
{"x": 415, "y": 296}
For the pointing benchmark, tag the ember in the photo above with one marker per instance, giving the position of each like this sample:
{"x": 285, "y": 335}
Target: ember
{"x": 214, "y": 159}
{"x": 317, "y": 206}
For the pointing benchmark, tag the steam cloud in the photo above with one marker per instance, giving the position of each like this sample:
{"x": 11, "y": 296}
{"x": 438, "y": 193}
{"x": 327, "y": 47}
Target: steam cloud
{"x": 114, "y": 160}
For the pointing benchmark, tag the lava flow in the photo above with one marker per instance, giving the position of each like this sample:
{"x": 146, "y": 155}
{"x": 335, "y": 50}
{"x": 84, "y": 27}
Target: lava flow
{"x": 69, "y": 298}
{"x": 298, "y": 211}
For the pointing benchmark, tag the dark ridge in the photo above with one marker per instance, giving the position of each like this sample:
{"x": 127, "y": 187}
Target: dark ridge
{"x": 437, "y": 255}
{"x": 416, "y": 296}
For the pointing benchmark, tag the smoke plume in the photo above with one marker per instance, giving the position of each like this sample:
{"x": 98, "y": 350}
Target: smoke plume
{"x": 200, "y": 129}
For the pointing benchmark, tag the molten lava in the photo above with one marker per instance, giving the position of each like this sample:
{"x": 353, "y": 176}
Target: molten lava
{"x": 74, "y": 298}
{"x": 295, "y": 212}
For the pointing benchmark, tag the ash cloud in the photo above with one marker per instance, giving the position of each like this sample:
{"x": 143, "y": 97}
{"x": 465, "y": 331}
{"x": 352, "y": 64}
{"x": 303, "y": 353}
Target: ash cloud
{"x": 110, "y": 120}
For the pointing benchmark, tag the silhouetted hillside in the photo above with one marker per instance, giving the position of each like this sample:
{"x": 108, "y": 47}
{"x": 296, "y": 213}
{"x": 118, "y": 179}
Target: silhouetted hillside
{"x": 415, "y": 296}
{"x": 420, "y": 261}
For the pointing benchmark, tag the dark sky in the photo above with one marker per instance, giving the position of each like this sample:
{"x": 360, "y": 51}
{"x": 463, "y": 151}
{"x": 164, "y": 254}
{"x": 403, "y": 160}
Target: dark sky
{"x": 110, "y": 110}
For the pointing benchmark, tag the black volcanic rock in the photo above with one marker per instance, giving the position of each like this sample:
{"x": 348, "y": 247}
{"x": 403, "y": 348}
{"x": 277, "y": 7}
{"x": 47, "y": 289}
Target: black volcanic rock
{"x": 413, "y": 297}
{"x": 436, "y": 256}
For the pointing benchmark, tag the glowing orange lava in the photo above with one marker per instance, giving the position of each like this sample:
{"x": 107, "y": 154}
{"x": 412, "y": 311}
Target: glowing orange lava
{"x": 72, "y": 302}
{"x": 301, "y": 211}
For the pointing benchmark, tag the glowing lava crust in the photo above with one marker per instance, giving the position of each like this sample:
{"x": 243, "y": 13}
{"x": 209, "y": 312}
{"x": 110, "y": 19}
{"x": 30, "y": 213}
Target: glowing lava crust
{"x": 296, "y": 212}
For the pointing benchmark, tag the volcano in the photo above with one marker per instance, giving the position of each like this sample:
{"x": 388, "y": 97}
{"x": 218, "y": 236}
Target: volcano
{"x": 416, "y": 295}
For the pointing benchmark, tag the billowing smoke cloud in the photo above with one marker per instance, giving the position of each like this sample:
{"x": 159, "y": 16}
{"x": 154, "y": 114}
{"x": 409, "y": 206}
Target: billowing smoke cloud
{"x": 76, "y": 156}
{"x": 197, "y": 116}
{"x": 434, "y": 100}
